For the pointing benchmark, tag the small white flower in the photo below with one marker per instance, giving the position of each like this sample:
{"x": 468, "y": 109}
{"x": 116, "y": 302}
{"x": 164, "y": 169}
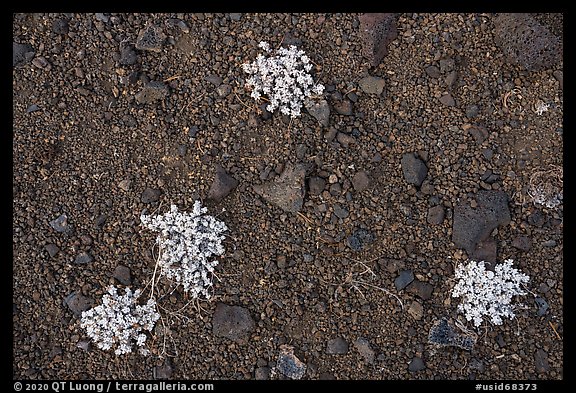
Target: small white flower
{"x": 486, "y": 293}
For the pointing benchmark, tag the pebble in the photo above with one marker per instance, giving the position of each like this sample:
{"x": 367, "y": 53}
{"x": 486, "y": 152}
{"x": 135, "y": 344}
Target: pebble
{"x": 60, "y": 26}
{"x": 286, "y": 191}
{"x": 340, "y": 212}
{"x": 416, "y": 310}
{"x": 413, "y": 169}
{"x": 164, "y": 371}
{"x": 21, "y": 53}
{"x": 320, "y": 110}
{"x": 404, "y": 278}
{"x": 32, "y": 108}
{"x": 365, "y": 349}
{"x": 473, "y": 225}
{"x": 523, "y": 243}
{"x": 128, "y": 55}
{"x": 41, "y": 62}
{"x": 447, "y": 99}
{"x": 77, "y": 303}
{"x": 125, "y": 184}
{"x": 479, "y": 133}
{"x": 421, "y": 289}
{"x": 151, "y": 92}
{"x": 344, "y": 139}
{"x": 359, "y": 239}
{"x": 486, "y": 250}
{"x": 83, "y": 258}
{"x": 343, "y": 107}
{"x": 60, "y": 224}
{"x": 123, "y": 275}
{"x": 472, "y": 111}
{"x": 150, "y": 195}
{"x": 150, "y": 38}
{"x": 541, "y": 361}
{"x": 316, "y": 185}
{"x": 337, "y": 346}
{"x": 232, "y": 322}
{"x": 222, "y": 184}
{"x": 542, "y": 306}
{"x": 435, "y": 215}
{"x": 52, "y": 249}
{"x": 416, "y": 364}
{"x": 361, "y": 181}
{"x": 372, "y": 85}
{"x": 288, "y": 364}
{"x": 432, "y": 71}
{"x": 262, "y": 373}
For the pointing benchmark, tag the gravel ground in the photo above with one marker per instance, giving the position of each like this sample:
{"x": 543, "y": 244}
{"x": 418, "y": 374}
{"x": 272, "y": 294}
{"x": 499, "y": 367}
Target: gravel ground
{"x": 116, "y": 114}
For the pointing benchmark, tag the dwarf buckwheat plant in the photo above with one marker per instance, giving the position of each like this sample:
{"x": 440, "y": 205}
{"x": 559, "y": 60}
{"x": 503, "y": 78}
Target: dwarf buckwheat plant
{"x": 187, "y": 241}
{"x": 120, "y": 321}
{"x": 283, "y": 77}
{"x": 488, "y": 294}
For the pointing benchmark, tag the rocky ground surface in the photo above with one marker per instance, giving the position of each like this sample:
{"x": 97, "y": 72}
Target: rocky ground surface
{"x": 345, "y": 223}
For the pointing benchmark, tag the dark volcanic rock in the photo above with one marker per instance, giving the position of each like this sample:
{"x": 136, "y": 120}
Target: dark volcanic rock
{"x": 60, "y": 224}
{"x": 417, "y": 364}
{"x": 405, "y": 278}
{"x": 150, "y": 195}
{"x": 337, "y": 346}
{"x": 83, "y": 258}
{"x": 319, "y": 110}
{"x": 150, "y": 38}
{"x": 361, "y": 181}
{"x": 372, "y": 85}
{"x": 316, "y": 185}
{"x": 287, "y": 190}
{"x": 414, "y": 169}
{"x": 527, "y": 43}
{"x": 377, "y": 31}
{"x": 359, "y": 239}
{"x": 473, "y": 225}
{"x": 21, "y": 53}
{"x": 77, "y": 303}
{"x": 128, "y": 55}
{"x": 289, "y": 364}
{"x": 232, "y": 322}
{"x": 122, "y": 274}
{"x": 52, "y": 249}
{"x": 435, "y": 215}
{"x": 366, "y": 351}
{"x": 541, "y": 361}
{"x": 164, "y": 371}
{"x": 151, "y": 92}
{"x": 222, "y": 184}
{"x": 442, "y": 333}
{"x": 523, "y": 243}
{"x": 486, "y": 250}
{"x": 421, "y": 289}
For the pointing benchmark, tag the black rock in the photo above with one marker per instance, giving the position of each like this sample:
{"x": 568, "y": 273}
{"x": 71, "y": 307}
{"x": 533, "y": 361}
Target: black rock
{"x": 421, "y": 289}
{"x": 214, "y": 79}
{"x": 316, "y": 185}
{"x": 523, "y": 243}
{"x": 526, "y": 42}
{"x": 432, "y": 71}
{"x": 541, "y": 361}
{"x": 60, "y": 26}
{"x": 60, "y": 224}
{"x": 435, "y": 215}
{"x": 447, "y": 100}
{"x": 479, "y": 133}
{"x": 372, "y": 85}
{"x": 542, "y": 306}
{"x": 287, "y": 190}
{"x": 128, "y": 55}
{"x": 232, "y": 322}
{"x": 151, "y": 92}
{"x": 150, "y": 38}
{"x": 473, "y": 225}
{"x": 52, "y": 249}
{"x": 472, "y": 111}
{"x": 222, "y": 185}
{"x": 405, "y": 278}
{"x": 414, "y": 169}
{"x": 340, "y": 212}
{"x": 345, "y": 139}
{"x": 500, "y": 340}
{"x": 122, "y": 274}
{"x": 21, "y": 53}
{"x": 377, "y": 31}
{"x": 343, "y": 107}
{"x": 486, "y": 250}
{"x": 442, "y": 333}
{"x": 262, "y": 373}
{"x": 288, "y": 364}
{"x": 77, "y": 303}
{"x": 361, "y": 181}
{"x": 320, "y": 110}
{"x": 32, "y": 108}
{"x": 150, "y": 195}
{"x": 359, "y": 239}
{"x": 416, "y": 364}
{"x": 537, "y": 218}
{"x": 337, "y": 346}
{"x": 366, "y": 351}
{"x": 83, "y": 258}
{"x": 164, "y": 371}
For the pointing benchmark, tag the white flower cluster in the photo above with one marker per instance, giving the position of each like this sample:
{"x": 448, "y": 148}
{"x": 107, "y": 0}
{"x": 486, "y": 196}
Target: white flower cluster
{"x": 487, "y": 293}
{"x": 283, "y": 78}
{"x": 187, "y": 241}
{"x": 119, "y": 321}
